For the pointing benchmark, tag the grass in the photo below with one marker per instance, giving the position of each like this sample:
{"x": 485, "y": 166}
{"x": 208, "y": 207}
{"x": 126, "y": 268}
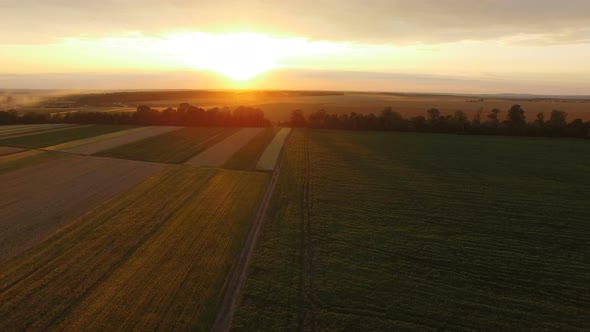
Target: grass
{"x": 61, "y": 136}
{"x": 174, "y": 147}
{"x": 153, "y": 258}
{"x": 386, "y": 231}
{"x": 247, "y": 157}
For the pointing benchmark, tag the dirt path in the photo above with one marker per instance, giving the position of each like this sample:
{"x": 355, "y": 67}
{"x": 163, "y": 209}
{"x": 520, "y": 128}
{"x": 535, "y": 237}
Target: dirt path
{"x": 233, "y": 285}
{"x": 270, "y": 156}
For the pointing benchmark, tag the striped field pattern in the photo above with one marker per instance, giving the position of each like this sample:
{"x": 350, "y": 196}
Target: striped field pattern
{"x": 153, "y": 258}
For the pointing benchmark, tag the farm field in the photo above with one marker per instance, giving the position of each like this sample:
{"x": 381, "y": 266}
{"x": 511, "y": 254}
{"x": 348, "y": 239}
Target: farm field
{"x": 388, "y": 231}
{"x": 56, "y": 137}
{"x": 153, "y": 258}
{"x": 25, "y": 159}
{"x": 97, "y": 144}
{"x": 11, "y": 131}
{"x": 218, "y": 154}
{"x": 247, "y": 157}
{"x": 49, "y": 194}
{"x": 173, "y": 147}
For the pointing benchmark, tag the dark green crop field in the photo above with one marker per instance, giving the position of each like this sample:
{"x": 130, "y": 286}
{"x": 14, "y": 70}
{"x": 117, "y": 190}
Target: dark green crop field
{"x": 51, "y": 138}
{"x": 173, "y": 147}
{"x": 386, "y": 231}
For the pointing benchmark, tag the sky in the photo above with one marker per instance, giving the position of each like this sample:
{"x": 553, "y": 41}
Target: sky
{"x": 453, "y": 46}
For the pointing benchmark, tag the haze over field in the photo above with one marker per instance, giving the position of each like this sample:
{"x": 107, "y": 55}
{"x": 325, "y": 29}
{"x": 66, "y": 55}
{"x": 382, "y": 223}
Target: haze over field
{"x": 456, "y": 46}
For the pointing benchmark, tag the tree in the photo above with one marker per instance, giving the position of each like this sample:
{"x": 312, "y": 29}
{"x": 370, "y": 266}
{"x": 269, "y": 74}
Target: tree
{"x": 418, "y": 123}
{"x": 477, "y": 118}
{"x": 298, "y": 119}
{"x": 460, "y": 121}
{"x": 558, "y": 122}
{"x": 538, "y": 126}
{"x": 433, "y": 115}
{"x": 318, "y": 119}
{"x": 386, "y": 118}
{"x": 540, "y": 121}
{"x": 516, "y": 120}
{"x": 494, "y": 117}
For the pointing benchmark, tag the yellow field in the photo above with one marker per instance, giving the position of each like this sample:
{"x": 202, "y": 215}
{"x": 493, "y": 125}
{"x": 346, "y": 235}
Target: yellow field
{"x": 155, "y": 257}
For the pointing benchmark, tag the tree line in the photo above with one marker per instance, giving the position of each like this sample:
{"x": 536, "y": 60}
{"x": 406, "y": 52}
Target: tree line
{"x": 185, "y": 115}
{"x": 495, "y": 122}
{"x": 513, "y": 122}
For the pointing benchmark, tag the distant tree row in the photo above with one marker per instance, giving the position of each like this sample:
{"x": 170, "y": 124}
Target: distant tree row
{"x": 184, "y": 115}
{"x": 492, "y": 123}
{"x": 513, "y": 123}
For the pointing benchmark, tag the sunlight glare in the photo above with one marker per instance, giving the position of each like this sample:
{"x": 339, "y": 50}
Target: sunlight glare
{"x": 239, "y": 56}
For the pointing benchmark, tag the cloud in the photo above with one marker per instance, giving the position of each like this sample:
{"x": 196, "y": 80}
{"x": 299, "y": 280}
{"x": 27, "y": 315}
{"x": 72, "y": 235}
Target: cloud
{"x": 368, "y": 21}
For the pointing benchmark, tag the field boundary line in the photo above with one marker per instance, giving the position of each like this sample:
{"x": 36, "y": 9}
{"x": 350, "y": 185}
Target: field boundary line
{"x": 234, "y": 283}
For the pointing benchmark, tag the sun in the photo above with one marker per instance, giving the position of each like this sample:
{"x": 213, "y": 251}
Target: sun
{"x": 238, "y": 56}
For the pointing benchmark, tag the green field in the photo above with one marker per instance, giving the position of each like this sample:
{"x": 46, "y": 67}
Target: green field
{"x": 174, "y": 147}
{"x": 51, "y": 138}
{"x": 386, "y": 231}
{"x": 247, "y": 157}
{"x": 153, "y": 258}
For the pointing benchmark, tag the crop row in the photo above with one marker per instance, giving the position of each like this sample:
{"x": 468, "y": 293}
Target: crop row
{"x": 155, "y": 257}
{"x": 414, "y": 231}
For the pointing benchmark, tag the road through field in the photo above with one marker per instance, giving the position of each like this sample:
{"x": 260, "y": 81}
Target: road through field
{"x": 270, "y": 156}
{"x": 239, "y": 272}
{"x": 38, "y": 200}
{"x": 218, "y": 154}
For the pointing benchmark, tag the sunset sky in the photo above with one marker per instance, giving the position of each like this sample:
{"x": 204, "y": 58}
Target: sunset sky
{"x": 524, "y": 46}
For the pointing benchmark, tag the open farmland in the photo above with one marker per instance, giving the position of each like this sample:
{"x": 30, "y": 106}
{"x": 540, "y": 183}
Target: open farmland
{"x": 97, "y": 144}
{"x": 173, "y": 147}
{"x": 51, "y": 138}
{"x": 26, "y": 158}
{"x": 386, "y": 231}
{"x": 218, "y": 154}
{"x": 40, "y": 199}
{"x": 20, "y": 130}
{"x": 153, "y": 258}
{"x": 247, "y": 157}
